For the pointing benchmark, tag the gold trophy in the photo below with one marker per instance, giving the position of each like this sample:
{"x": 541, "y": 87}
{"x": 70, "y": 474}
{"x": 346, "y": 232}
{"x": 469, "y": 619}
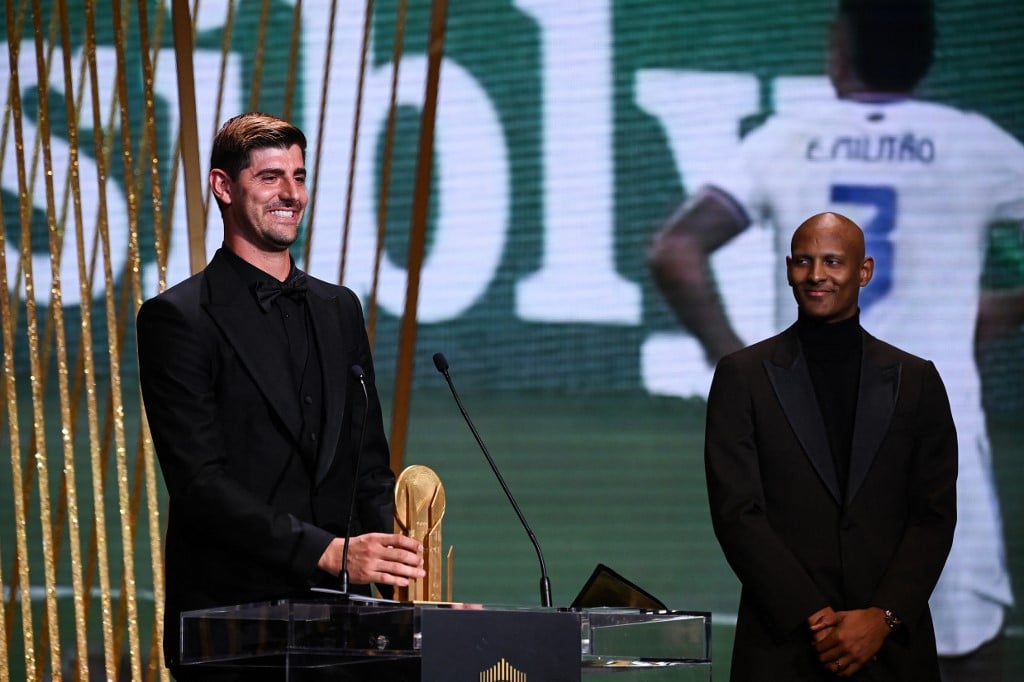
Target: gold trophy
{"x": 419, "y": 507}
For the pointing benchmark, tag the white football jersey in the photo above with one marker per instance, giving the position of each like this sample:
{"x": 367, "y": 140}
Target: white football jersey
{"x": 924, "y": 181}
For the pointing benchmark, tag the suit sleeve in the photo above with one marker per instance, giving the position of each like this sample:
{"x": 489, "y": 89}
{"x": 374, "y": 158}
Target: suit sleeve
{"x": 177, "y": 365}
{"x": 914, "y": 569}
{"x": 770, "y": 573}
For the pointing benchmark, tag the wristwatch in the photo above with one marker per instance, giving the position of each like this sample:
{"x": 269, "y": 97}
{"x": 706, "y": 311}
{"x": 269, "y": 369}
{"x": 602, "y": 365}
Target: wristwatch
{"x": 892, "y": 620}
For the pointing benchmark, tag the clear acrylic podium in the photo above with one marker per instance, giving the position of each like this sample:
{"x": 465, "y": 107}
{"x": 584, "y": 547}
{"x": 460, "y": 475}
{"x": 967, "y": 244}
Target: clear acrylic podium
{"x": 351, "y": 638}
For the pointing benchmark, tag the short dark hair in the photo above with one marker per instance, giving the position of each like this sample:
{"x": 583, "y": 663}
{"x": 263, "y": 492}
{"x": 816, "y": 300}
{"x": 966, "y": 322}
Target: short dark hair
{"x": 253, "y": 130}
{"x": 892, "y": 42}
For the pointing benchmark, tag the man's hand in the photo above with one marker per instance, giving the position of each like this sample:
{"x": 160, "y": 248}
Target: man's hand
{"x": 820, "y": 621}
{"x": 383, "y": 558}
{"x": 847, "y": 640}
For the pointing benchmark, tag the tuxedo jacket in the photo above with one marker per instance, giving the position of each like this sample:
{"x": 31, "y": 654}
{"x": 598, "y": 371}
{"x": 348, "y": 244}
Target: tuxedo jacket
{"x": 795, "y": 540}
{"x": 249, "y": 516}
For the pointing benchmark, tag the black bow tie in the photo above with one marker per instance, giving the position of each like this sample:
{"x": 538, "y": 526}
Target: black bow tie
{"x": 267, "y": 292}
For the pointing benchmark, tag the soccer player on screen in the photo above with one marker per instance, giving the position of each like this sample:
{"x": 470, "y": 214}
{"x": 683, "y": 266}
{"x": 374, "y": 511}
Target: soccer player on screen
{"x": 925, "y": 181}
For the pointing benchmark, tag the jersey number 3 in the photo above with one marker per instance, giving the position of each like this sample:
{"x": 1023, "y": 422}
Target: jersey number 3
{"x": 877, "y": 233}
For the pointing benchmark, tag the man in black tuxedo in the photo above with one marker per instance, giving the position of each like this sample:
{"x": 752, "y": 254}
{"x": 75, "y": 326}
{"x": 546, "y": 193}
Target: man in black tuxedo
{"x": 250, "y": 373}
{"x": 831, "y": 468}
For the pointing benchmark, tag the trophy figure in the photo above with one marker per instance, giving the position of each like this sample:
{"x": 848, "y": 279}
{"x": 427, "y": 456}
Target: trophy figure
{"x": 419, "y": 507}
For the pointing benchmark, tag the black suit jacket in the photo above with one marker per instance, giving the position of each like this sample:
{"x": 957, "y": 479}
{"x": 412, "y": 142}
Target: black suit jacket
{"x": 249, "y": 517}
{"x": 795, "y": 540}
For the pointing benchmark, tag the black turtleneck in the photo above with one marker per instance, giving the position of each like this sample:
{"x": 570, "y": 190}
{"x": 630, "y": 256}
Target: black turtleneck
{"x": 833, "y": 352}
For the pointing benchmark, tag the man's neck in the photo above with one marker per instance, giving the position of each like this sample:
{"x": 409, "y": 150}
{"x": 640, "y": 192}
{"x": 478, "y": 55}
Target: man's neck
{"x": 852, "y": 88}
{"x": 818, "y": 335}
{"x": 872, "y": 97}
{"x": 277, "y": 264}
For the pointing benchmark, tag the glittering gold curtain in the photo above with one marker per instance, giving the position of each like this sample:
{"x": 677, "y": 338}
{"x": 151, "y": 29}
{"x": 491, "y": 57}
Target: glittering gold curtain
{"x": 81, "y": 585}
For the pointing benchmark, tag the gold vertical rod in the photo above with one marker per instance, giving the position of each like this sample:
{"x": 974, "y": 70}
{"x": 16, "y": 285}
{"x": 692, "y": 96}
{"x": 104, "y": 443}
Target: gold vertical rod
{"x": 293, "y": 61}
{"x": 256, "y": 80}
{"x": 385, "y": 173}
{"x": 145, "y": 455}
{"x": 25, "y": 213}
{"x": 10, "y": 405}
{"x": 354, "y": 149}
{"x": 225, "y": 50}
{"x": 10, "y": 310}
{"x": 322, "y": 114}
{"x": 417, "y": 237}
{"x": 189, "y": 135}
{"x": 159, "y": 244}
{"x": 55, "y": 238}
{"x": 67, "y": 401}
{"x": 149, "y": 52}
{"x": 97, "y": 449}
{"x": 163, "y": 231}
{"x": 4, "y": 653}
{"x": 50, "y": 528}
{"x": 128, "y": 597}
{"x": 33, "y": 175}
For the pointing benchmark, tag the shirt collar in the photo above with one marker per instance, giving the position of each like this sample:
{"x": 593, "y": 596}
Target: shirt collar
{"x": 250, "y": 274}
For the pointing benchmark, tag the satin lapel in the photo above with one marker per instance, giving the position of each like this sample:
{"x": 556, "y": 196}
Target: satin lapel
{"x": 324, "y": 314}
{"x": 244, "y": 326}
{"x": 876, "y": 401}
{"x": 791, "y": 380}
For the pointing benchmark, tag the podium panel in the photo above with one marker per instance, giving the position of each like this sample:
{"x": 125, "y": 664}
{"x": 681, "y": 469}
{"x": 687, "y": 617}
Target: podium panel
{"x": 495, "y": 646}
{"x": 351, "y": 638}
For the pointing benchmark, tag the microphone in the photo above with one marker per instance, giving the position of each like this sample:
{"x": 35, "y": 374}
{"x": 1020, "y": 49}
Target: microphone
{"x": 545, "y": 583}
{"x": 360, "y": 376}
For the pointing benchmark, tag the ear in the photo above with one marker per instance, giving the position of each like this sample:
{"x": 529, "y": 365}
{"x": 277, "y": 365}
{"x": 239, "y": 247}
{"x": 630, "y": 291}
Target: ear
{"x": 789, "y": 270}
{"x": 220, "y": 185}
{"x": 867, "y": 270}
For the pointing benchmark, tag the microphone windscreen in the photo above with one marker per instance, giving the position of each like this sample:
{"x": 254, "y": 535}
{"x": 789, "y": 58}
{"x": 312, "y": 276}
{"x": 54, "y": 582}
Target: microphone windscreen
{"x": 357, "y": 372}
{"x": 440, "y": 362}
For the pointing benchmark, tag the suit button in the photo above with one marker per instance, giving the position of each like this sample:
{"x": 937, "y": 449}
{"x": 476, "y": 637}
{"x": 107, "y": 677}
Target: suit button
{"x": 312, "y": 437}
{"x": 308, "y": 400}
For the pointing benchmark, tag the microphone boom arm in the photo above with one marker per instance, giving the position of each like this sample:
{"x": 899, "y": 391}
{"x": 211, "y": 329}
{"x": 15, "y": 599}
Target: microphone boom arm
{"x": 545, "y": 581}
{"x": 357, "y": 372}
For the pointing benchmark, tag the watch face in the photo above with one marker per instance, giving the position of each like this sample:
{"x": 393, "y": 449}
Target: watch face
{"x": 891, "y": 619}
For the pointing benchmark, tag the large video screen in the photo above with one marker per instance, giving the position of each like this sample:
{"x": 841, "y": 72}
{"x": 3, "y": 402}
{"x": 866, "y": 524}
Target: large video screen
{"x": 566, "y": 133}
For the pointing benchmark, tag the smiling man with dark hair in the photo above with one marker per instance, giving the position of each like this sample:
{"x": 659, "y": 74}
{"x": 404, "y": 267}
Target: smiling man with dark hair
{"x": 270, "y": 444}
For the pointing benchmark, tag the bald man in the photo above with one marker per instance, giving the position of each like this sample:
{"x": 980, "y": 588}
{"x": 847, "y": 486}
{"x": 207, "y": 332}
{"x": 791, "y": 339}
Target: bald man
{"x": 831, "y": 464}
